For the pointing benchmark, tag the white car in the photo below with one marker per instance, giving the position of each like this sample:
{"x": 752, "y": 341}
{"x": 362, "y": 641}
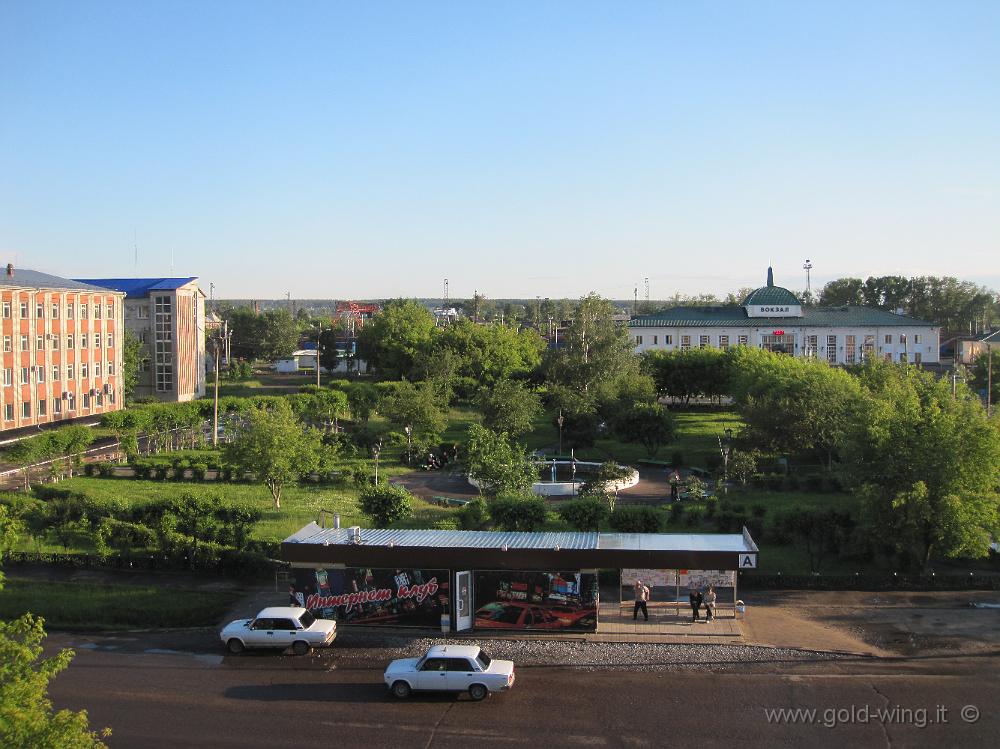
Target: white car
{"x": 279, "y": 627}
{"x": 450, "y": 668}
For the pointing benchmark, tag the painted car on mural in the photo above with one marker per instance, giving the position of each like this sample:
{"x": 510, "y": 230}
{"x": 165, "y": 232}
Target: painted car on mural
{"x": 450, "y": 668}
{"x": 511, "y": 615}
{"x": 279, "y": 627}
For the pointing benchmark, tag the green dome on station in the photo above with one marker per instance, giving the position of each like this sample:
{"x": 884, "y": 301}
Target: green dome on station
{"x": 771, "y": 295}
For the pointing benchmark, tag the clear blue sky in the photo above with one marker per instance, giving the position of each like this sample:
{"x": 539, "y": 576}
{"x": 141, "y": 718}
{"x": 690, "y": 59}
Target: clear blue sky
{"x": 372, "y": 149}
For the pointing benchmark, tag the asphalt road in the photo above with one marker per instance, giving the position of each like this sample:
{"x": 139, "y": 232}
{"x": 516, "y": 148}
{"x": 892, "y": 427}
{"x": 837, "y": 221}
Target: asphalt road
{"x": 267, "y": 701}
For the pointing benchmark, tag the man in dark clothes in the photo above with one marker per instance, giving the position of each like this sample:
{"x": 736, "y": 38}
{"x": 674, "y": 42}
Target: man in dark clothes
{"x": 695, "y": 597}
{"x": 641, "y": 597}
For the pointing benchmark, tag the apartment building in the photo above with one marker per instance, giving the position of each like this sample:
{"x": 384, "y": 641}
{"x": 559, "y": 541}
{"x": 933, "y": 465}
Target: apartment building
{"x": 62, "y": 352}
{"x": 167, "y": 316}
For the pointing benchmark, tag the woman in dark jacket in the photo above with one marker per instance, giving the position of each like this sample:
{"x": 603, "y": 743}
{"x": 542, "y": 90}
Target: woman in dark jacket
{"x": 695, "y": 597}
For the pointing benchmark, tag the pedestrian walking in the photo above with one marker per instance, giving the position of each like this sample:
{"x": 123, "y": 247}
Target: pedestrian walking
{"x": 641, "y": 597}
{"x": 695, "y": 598}
{"x": 675, "y": 481}
{"x": 710, "y": 603}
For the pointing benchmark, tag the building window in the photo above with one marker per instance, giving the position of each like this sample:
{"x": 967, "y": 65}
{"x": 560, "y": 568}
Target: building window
{"x": 25, "y": 376}
{"x": 39, "y": 343}
{"x": 163, "y": 343}
{"x": 69, "y": 372}
{"x": 902, "y": 356}
{"x": 99, "y": 399}
{"x": 70, "y": 341}
{"x": 97, "y": 340}
{"x": 111, "y": 340}
{"x": 638, "y": 340}
{"x": 723, "y": 342}
{"x": 83, "y": 371}
{"x": 26, "y": 410}
{"x": 40, "y": 374}
{"x": 685, "y": 342}
{"x": 97, "y": 369}
{"x": 744, "y": 340}
{"x": 56, "y": 406}
{"x": 24, "y": 343}
{"x": 111, "y": 395}
{"x": 888, "y": 339}
{"x": 7, "y": 343}
{"x": 8, "y": 376}
{"x": 110, "y": 312}
{"x": 668, "y": 340}
{"x": 916, "y": 337}
{"x": 86, "y": 400}
{"x": 917, "y": 357}
{"x": 8, "y": 411}
{"x": 83, "y": 311}
{"x": 55, "y": 311}
{"x": 55, "y": 374}
{"x": 70, "y": 402}
{"x": 144, "y": 365}
{"x": 111, "y": 368}
{"x": 55, "y": 343}
{"x": 656, "y": 339}
{"x": 887, "y": 356}
{"x": 83, "y": 341}
{"x": 831, "y": 349}
{"x": 902, "y": 338}
{"x": 812, "y": 346}
{"x": 70, "y": 308}
{"x": 781, "y": 344}
{"x": 143, "y": 312}
{"x": 850, "y": 349}
{"x": 703, "y": 341}
{"x": 24, "y": 310}
{"x": 40, "y": 311}
{"x": 6, "y": 310}
{"x": 42, "y": 407}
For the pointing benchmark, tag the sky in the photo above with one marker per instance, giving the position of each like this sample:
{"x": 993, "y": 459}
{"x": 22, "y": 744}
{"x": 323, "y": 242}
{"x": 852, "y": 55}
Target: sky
{"x": 518, "y": 149}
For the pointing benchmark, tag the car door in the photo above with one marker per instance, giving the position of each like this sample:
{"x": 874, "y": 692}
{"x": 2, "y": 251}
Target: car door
{"x": 260, "y": 634}
{"x": 461, "y": 674}
{"x": 285, "y": 632}
{"x": 433, "y": 675}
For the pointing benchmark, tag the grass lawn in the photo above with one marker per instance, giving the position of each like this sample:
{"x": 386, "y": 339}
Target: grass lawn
{"x": 94, "y": 606}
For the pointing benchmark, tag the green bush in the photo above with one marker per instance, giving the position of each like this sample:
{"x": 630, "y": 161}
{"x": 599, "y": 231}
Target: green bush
{"x": 89, "y": 469}
{"x": 474, "y": 516}
{"x": 517, "y": 513}
{"x": 636, "y": 520}
{"x": 385, "y": 504}
{"x": 711, "y": 506}
{"x": 585, "y": 514}
{"x": 198, "y": 471}
{"x": 676, "y": 512}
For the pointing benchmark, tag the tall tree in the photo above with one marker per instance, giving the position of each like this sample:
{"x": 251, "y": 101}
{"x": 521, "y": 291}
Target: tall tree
{"x": 496, "y": 464}
{"x": 416, "y": 406}
{"x": 510, "y": 407}
{"x": 595, "y": 347}
{"x": 842, "y": 291}
{"x": 275, "y": 447}
{"x": 394, "y": 337}
{"x": 131, "y": 361}
{"x": 649, "y": 424}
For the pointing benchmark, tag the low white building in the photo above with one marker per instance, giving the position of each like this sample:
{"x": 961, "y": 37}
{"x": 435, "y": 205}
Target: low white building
{"x": 773, "y": 318}
{"x": 299, "y": 361}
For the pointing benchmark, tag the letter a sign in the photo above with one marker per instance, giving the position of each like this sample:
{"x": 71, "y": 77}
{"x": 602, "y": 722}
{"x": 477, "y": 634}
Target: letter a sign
{"x": 748, "y": 561}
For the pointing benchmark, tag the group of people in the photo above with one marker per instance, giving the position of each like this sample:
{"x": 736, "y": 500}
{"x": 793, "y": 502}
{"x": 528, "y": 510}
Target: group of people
{"x": 695, "y": 596}
{"x": 437, "y": 462}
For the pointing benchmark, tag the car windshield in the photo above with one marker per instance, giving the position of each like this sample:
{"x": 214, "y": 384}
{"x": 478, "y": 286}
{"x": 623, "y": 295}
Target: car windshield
{"x": 307, "y": 619}
{"x": 483, "y": 660}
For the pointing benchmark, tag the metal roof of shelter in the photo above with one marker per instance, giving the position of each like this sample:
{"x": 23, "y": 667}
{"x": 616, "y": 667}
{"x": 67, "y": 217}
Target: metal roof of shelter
{"x": 485, "y": 550}
{"x": 139, "y": 287}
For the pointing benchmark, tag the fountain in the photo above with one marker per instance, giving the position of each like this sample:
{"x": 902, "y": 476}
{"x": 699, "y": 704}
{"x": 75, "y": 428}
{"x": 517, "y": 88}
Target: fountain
{"x": 558, "y": 478}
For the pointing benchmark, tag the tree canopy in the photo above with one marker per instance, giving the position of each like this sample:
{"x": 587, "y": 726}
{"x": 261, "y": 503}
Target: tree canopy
{"x": 393, "y": 339}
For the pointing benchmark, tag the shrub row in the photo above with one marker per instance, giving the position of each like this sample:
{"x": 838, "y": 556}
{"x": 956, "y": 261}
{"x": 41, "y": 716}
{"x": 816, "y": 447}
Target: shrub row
{"x": 881, "y": 581}
{"x": 239, "y": 564}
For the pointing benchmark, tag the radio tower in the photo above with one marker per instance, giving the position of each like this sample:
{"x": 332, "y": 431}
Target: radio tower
{"x": 445, "y": 304}
{"x": 647, "y": 295}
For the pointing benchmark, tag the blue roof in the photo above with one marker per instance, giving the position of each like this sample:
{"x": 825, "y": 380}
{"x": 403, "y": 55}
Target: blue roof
{"x": 136, "y": 287}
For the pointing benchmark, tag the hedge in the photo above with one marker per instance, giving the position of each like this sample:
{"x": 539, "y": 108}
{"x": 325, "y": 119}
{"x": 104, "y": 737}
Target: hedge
{"x": 241, "y": 564}
{"x": 880, "y": 581}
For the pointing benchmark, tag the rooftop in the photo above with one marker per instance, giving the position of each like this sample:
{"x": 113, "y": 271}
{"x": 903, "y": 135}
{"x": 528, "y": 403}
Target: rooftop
{"x": 139, "y": 287}
{"x": 24, "y": 278}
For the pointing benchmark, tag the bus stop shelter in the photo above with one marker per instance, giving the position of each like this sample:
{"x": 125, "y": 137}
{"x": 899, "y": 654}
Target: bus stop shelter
{"x": 489, "y": 580}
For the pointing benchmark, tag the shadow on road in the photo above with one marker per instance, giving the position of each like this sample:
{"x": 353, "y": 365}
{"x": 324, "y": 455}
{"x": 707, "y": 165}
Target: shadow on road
{"x": 349, "y": 692}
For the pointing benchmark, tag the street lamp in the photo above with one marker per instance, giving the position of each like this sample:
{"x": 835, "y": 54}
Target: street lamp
{"x": 376, "y": 449}
{"x": 560, "y": 421}
{"x": 409, "y": 444}
{"x": 725, "y": 447}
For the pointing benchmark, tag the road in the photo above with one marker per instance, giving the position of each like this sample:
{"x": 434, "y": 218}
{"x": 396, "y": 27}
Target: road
{"x": 267, "y": 701}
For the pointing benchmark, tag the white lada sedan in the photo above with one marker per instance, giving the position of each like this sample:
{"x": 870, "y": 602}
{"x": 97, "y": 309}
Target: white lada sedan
{"x": 279, "y": 627}
{"x": 450, "y": 668}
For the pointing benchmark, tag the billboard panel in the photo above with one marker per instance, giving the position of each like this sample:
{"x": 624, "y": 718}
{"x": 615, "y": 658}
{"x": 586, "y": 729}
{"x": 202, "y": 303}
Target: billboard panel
{"x": 512, "y": 599}
{"x": 359, "y": 595}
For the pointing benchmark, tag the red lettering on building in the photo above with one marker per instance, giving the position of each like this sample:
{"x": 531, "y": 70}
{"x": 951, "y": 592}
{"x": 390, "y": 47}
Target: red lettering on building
{"x": 349, "y": 600}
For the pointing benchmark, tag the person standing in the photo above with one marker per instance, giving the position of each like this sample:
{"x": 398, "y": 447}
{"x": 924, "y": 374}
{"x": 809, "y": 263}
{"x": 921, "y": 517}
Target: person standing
{"x": 675, "y": 481}
{"x": 641, "y": 597}
{"x": 695, "y": 598}
{"x": 710, "y": 603}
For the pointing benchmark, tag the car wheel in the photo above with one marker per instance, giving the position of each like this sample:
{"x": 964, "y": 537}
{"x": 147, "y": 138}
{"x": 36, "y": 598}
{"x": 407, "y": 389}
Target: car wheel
{"x": 478, "y": 692}
{"x": 300, "y": 647}
{"x": 235, "y": 646}
{"x": 401, "y": 690}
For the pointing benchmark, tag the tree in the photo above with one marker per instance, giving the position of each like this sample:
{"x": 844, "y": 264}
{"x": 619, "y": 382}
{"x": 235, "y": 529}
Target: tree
{"x": 684, "y": 374}
{"x": 25, "y": 453}
{"x": 394, "y": 337}
{"x": 488, "y": 353}
{"x": 270, "y": 335}
{"x": 636, "y": 520}
{"x": 925, "y": 463}
{"x": 362, "y": 399}
{"x": 842, "y": 291}
{"x": 131, "y": 361}
{"x": 26, "y": 715}
{"x": 275, "y": 447}
{"x": 742, "y": 466}
{"x": 510, "y": 407}
{"x": 595, "y": 349}
{"x": 649, "y": 424}
{"x": 329, "y": 356}
{"x": 982, "y": 377}
{"x": 517, "y": 512}
{"x": 496, "y": 464}
{"x": 386, "y": 504}
{"x": 416, "y": 406}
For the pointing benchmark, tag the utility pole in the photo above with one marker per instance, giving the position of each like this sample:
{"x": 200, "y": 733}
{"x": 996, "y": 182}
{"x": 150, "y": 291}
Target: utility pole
{"x": 319, "y": 338}
{"x": 220, "y": 340}
{"x": 808, "y": 267}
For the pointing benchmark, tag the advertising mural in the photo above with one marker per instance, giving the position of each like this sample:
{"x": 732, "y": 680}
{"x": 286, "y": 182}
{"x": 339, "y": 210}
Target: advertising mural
{"x": 360, "y": 595}
{"x": 536, "y": 600}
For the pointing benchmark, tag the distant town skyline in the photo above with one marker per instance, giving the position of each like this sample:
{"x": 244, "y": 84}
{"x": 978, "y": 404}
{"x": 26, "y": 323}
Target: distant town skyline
{"x": 522, "y": 150}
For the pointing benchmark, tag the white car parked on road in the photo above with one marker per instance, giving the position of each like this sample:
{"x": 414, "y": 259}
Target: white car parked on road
{"x": 450, "y": 668}
{"x": 279, "y": 627}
